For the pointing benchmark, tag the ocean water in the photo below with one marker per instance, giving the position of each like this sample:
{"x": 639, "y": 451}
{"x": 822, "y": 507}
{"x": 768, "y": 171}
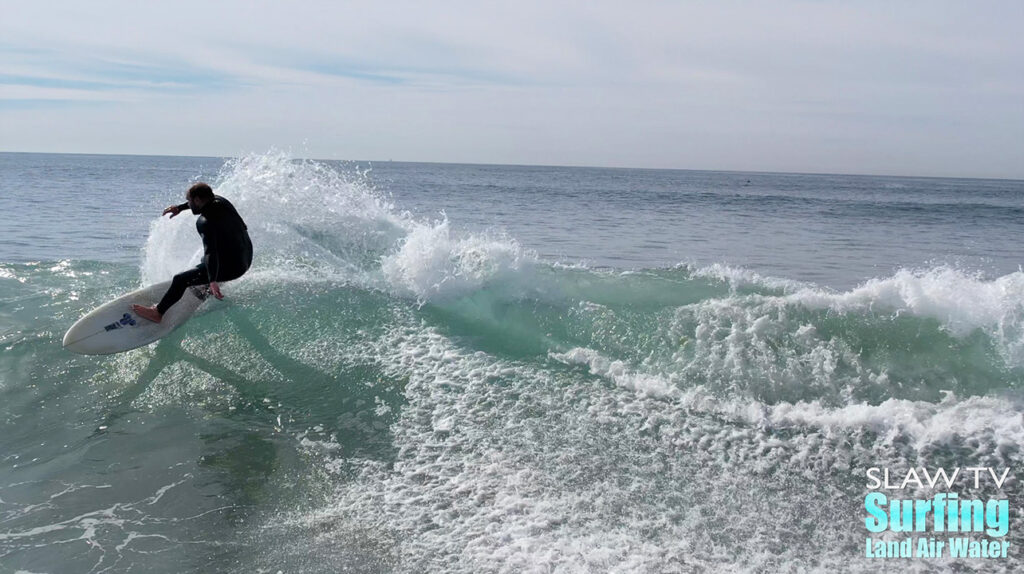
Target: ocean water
{"x": 465, "y": 368}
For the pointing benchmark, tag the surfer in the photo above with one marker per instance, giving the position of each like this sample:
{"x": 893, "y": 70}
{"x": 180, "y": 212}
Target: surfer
{"x": 227, "y": 250}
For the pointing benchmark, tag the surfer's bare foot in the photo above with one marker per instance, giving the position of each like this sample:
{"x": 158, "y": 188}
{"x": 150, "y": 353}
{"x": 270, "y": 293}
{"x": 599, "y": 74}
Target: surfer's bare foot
{"x": 149, "y": 313}
{"x": 215, "y": 289}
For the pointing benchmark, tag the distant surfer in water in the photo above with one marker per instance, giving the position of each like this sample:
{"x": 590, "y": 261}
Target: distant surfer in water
{"x": 227, "y": 248}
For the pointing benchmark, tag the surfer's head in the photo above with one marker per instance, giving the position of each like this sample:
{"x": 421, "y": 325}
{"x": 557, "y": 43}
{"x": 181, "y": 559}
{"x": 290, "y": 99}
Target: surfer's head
{"x": 198, "y": 196}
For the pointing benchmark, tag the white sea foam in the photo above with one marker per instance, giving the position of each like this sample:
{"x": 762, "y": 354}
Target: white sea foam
{"x": 738, "y": 277}
{"x": 961, "y": 301}
{"x": 504, "y": 466}
{"x": 434, "y": 262}
{"x": 993, "y": 422}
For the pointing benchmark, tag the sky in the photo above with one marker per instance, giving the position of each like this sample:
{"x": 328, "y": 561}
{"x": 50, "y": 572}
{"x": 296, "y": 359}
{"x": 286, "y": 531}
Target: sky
{"x": 931, "y": 88}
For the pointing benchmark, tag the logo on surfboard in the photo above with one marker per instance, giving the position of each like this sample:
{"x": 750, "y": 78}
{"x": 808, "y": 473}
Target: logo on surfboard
{"x": 126, "y": 321}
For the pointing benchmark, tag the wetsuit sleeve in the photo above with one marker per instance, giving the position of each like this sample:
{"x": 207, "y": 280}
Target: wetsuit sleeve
{"x": 183, "y": 206}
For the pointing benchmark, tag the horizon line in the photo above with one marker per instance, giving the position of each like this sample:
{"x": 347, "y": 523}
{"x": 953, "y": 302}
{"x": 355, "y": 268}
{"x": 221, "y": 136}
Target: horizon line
{"x": 564, "y": 166}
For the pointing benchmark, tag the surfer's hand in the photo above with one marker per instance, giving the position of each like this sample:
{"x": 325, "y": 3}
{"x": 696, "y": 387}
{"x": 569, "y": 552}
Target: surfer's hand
{"x": 215, "y": 289}
{"x": 173, "y": 210}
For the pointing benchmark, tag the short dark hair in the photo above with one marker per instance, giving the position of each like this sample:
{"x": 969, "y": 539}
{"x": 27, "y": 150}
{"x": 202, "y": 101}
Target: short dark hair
{"x": 200, "y": 191}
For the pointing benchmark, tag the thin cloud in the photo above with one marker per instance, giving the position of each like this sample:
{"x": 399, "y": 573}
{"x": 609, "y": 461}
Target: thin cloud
{"x": 58, "y": 76}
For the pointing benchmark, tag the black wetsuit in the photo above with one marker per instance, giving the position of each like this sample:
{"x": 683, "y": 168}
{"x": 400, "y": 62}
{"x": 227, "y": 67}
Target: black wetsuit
{"x": 227, "y": 250}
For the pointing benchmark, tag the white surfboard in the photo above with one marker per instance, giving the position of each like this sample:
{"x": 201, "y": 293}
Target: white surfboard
{"x": 114, "y": 327}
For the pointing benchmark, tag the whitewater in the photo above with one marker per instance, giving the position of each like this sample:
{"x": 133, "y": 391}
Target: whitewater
{"x": 445, "y": 368}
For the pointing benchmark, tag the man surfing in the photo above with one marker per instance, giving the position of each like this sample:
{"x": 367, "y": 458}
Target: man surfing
{"x": 227, "y": 250}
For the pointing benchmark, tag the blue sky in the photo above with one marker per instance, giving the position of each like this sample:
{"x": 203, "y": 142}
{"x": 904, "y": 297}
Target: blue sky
{"x": 908, "y": 88}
